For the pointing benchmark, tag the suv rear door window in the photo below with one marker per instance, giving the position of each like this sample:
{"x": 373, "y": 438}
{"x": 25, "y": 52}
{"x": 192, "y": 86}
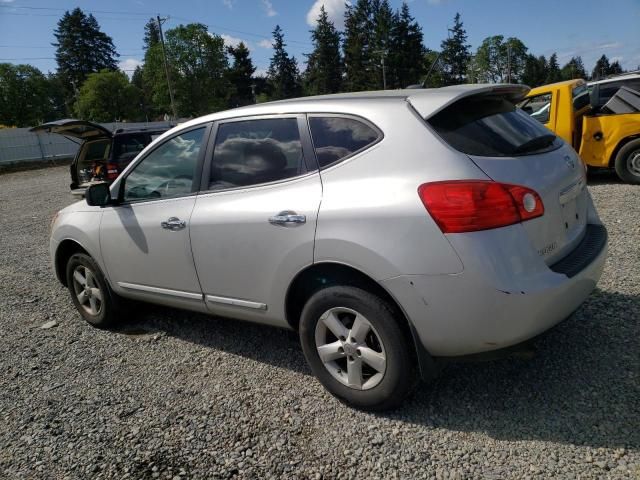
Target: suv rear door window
{"x": 491, "y": 127}
{"x": 251, "y": 152}
{"x": 126, "y": 147}
{"x": 335, "y": 138}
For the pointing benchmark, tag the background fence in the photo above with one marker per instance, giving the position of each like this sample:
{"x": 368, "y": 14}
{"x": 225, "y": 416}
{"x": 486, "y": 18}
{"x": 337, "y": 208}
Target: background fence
{"x": 19, "y": 145}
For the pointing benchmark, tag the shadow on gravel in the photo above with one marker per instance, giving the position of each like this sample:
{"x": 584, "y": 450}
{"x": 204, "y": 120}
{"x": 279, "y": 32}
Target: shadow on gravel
{"x": 603, "y": 177}
{"x": 582, "y": 387}
{"x": 273, "y": 346}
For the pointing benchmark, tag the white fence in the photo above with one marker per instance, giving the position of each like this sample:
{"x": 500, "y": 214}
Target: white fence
{"x": 19, "y": 145}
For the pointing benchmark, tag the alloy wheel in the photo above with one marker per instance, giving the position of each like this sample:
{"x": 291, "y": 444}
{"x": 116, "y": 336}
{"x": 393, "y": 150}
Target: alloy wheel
{"x": 350, "y": 348}
{"x": 633, "y": 163}
{"x": 88, "y": 292}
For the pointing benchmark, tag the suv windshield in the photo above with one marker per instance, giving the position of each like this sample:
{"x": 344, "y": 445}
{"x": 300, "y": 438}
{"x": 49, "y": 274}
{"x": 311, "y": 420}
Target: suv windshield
{"x": 491, "y": 126}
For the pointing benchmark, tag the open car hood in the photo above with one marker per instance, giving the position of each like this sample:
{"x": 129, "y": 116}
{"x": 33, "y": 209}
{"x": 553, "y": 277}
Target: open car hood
{"x": 74, "y": 129}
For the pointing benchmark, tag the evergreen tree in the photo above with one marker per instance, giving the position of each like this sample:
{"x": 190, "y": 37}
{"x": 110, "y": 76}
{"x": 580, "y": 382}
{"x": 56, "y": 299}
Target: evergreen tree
{"x": 574, "y": 68}
{"x": 81, "y": 48}
{"x": 358, "y": 57}
{"x": 240, "y": 75}
{"x": 137, "y": 80}
{"x": 615, "y": 68}
{"x": 553, "y": 70}
{"x": 324, "y": 65}
{"x": 407, "y": 51}
{"x": 151, "y": 34}
{"x": 601, "y": 70}
{"x": 535, "y": 71}
{"x": 383, "y": 24}
{"x": 455, "y": 53}
{"x": 283, "y": 75}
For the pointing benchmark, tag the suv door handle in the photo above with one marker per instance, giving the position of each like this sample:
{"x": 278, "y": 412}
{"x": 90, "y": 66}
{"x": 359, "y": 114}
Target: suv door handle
{"x": 287, "y": 218}
{"x": 173, "y": 224}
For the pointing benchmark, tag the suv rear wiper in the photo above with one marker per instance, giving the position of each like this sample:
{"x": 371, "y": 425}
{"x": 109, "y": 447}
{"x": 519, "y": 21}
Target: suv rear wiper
{"x": 535, "y": 143}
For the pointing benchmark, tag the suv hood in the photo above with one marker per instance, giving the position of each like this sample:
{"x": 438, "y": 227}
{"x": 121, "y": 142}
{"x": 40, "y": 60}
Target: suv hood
{"x": 74, "y": 129}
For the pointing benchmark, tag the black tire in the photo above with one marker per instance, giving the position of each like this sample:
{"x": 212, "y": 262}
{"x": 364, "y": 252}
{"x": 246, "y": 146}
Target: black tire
{"x": 628, "y": 162}
{"x": 109, "y": 307}
{"x": 399, "y": 375}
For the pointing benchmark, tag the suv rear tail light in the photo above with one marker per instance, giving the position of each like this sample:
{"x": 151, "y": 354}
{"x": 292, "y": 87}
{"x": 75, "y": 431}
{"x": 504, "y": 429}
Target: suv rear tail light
{"x": 472, "y": 205}
{"x": 112, "y": 171}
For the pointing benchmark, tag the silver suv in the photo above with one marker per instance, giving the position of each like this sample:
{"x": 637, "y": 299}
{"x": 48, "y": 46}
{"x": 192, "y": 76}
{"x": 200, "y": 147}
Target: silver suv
{"x": 388, "y": 228}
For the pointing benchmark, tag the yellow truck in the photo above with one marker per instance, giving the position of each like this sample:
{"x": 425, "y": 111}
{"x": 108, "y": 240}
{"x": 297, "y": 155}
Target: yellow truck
{"x": 602, "y": 139}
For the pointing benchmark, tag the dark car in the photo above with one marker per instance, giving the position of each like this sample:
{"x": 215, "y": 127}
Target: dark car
{"x": 103, "y": 154}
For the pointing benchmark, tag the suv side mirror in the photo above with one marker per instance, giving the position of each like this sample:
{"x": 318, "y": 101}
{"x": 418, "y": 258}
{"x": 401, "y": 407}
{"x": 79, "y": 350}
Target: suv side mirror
{"x": 98, "y": 195}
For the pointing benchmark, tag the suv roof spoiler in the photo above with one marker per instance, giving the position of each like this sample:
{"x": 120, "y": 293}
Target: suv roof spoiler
{"x": 440, "y": 98}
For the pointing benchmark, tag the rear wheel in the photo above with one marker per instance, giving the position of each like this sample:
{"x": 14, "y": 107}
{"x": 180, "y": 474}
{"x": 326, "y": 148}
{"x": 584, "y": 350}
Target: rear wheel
{"x": 355, "y": 346}
{"x": 628, "y": 162}
{"x": 90, "y": 292}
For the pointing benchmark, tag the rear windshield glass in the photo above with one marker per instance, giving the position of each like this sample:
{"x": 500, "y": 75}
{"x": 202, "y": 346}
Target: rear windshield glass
{"x": 492, "y": 127}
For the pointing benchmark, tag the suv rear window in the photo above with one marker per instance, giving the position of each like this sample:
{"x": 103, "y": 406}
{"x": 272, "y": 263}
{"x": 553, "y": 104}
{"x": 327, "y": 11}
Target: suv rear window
{"x": 336, "y": 138}
{"x": 491, "y": 127}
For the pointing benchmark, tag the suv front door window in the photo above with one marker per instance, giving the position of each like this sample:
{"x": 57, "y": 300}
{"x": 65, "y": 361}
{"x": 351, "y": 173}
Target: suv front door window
{"x": 167, "y": 171}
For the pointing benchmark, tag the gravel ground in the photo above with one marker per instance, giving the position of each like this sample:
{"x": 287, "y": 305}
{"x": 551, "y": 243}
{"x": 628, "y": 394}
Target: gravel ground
{"x": 180, "y": 395}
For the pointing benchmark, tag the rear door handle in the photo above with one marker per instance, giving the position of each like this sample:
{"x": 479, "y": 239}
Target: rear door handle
{"x": 287, "y": 219}
{"x": 173, "y": 224}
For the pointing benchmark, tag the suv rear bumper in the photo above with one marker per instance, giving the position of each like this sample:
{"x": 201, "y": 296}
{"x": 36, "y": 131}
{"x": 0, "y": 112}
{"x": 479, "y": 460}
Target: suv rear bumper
{"x": 474, "y": 311}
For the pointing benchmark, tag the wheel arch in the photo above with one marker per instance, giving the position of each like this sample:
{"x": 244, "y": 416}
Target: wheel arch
{"x": 65, "y": 250}
{"x": 619, "y": 146}
{"x": 321, "y": 275}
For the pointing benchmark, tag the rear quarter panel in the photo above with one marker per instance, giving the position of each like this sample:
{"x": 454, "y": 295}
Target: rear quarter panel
{"x": 371, "y": 216}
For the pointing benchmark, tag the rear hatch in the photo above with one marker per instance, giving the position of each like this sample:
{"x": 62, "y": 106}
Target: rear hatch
{"x": 512, "y": 148}
{"x": 94, "y": 141}
{"x": 76, "y": 130}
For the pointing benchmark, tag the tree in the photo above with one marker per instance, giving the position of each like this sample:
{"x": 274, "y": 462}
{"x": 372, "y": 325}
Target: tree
{"x": 455, "y": 53}
{"x": 553, "y": 70}
{"x": 324, "y": 64}
{"x": 199, "y": 65}
{"x": 357, "y": 46}
{"x": 283, "y": 75}
{"x": 107, "y": 96}
{"x": 81, "y": 48}
{"x": 383, "y": 25}
{"x": 535, "y": 71}
{"x": 151, "y": 34}
{"x": 432, "y": 64}
{"x": 615, "y": 68}
{"x": 240, "y": 75}
{"x": 574, "y": 68}
{"x": 500, "y": 61}
{"x": 407, "y": 50}
{"x": 25, "y": 98}
{"x": 601, "y": 70}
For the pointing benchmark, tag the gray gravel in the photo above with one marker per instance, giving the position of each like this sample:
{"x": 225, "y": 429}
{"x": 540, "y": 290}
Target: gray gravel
{"x": 180, "y": 395}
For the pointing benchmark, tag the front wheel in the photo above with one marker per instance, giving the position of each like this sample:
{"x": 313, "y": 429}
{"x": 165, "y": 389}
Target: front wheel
{"x": 90, "y": 292}
{"x": 628, "y": 162}
{"x": 356, "y": 348}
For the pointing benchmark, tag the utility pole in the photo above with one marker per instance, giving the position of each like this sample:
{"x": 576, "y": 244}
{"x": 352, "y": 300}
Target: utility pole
{"x": 166, "y": 67}
{"x": 383, "y": 54}
{"x": 508, "y": 63}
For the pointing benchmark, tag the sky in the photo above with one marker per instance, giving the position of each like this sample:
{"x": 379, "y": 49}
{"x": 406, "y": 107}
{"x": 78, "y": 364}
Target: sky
{"x": 588, "y": 28}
